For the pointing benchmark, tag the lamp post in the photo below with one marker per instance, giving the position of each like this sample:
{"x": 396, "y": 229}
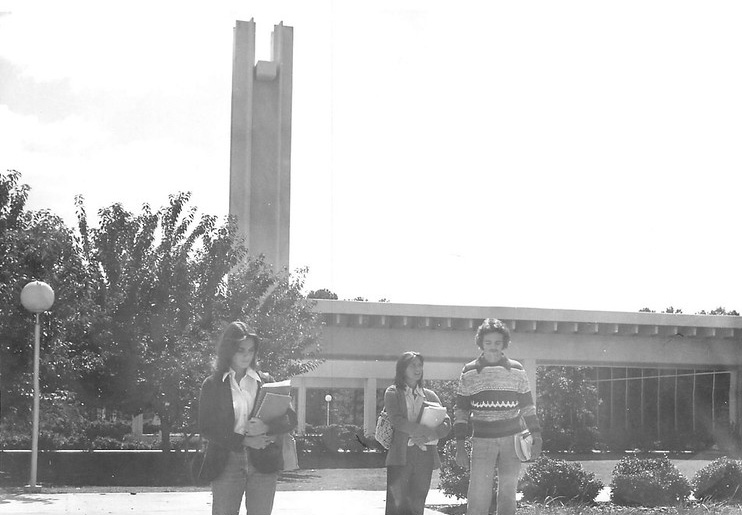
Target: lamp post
{"x": 328, "y": 400}
{"x": 36, "y": 297}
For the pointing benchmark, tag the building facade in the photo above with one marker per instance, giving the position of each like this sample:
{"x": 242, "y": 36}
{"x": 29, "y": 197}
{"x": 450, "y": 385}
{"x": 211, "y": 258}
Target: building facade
{"x": 653, "y": 371}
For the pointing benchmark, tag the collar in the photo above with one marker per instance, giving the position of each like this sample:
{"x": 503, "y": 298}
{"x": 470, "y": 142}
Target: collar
{"x": 250, "y": 373}
{"x": 503, "y": 362}
{"x": 412, "y": 392}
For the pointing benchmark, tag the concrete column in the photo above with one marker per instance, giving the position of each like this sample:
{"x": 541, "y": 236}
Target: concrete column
{"x": 369, "y": 407}
{"x": 260, "y": 156}
{"x": 530, "y": 366}
{"x": 137, "y": 425}
{"x": 301, "y": 409}
{"x": 735, "y": 398}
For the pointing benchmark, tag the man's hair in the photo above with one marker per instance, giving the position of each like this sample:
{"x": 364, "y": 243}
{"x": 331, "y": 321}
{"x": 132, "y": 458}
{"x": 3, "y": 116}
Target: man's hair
{"x": 402, "y": 363}
{"x": 230, "y": 341}
{"x": 492, "y": 325}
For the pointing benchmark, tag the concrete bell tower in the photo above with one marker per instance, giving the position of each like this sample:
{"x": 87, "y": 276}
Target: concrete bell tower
{"x": 260, "y": 156}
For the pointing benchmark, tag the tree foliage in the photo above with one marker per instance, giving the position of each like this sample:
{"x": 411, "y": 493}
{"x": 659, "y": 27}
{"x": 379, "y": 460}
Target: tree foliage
{"x": 322, "y": 293}
{"x": 167, "y": 282}
{"x": 38, "y": 246}
{"x": 719, "y": 311}
{"x": 140, "y": 299}
{"x": 566, "y": 399}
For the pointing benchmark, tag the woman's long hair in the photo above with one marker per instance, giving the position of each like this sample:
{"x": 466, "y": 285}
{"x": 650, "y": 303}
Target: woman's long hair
{"x": 229, "y": 342}
{"x": 402, "y": 363}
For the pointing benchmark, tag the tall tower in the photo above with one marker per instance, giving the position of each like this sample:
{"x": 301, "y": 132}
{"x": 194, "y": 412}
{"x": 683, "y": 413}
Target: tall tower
{"x": 260, "y": 156}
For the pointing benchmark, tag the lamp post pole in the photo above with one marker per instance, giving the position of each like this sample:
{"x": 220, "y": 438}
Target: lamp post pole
{"x": 328, "y": 400}
{"x": 35, "y": 434}
{"x": 36, "y": 297}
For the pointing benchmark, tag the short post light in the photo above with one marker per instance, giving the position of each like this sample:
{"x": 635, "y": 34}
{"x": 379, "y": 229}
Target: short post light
{"x": 36, "y": 297}
{"x": 328, "y": 400}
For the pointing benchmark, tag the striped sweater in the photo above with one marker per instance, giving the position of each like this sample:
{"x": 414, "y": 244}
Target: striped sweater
{"x": 493, "y": 397}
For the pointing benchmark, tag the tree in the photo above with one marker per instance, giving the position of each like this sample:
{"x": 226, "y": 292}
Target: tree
{"x": 566, "y": 397}
{"x": 38, "y": 246}
{"x": 719, "y": 311}
{"x": 166, "y": 283}
{"x": 322, "y": 293}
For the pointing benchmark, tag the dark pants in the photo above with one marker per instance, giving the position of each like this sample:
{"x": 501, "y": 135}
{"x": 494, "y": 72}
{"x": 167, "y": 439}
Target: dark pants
{"x": 407, "y": 485}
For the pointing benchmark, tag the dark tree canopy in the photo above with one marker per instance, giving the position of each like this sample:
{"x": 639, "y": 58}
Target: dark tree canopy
{"x": 322, "y": 293}
{"x": 140, "y": 300}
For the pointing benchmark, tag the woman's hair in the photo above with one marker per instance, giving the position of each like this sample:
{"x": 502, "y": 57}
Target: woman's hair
{"x": 402, "y": 363}
{"x": 492, "y": 325}
{"x": 229, "y": 342}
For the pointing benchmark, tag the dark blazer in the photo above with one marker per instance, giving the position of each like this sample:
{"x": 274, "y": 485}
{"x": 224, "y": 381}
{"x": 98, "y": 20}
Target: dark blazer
{"x": 396, "y": 406}
{"x": 216, "y": 424}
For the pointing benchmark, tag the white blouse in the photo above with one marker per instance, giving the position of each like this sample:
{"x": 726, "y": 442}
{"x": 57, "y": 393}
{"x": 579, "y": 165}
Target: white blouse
{"x": 243, "y": 397}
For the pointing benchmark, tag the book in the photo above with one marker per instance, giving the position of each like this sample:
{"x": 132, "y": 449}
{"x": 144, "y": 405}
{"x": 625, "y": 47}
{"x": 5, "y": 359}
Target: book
{"x": 523, "y": 445}
{"x": 432, "y": 416}
{"x": 279, "y": 403}
{"x": 279, "y": 387}
{"x": 272, "y": 405}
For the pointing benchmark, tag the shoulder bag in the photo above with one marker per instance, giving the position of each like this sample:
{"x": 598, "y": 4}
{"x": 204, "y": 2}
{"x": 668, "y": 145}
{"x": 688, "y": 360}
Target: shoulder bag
{"x": 384, "y": 430}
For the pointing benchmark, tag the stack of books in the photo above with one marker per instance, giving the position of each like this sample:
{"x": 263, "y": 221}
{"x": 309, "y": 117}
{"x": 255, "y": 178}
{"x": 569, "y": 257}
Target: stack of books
{"x": 274, "y": 400}
{"x": 432, "y": 416}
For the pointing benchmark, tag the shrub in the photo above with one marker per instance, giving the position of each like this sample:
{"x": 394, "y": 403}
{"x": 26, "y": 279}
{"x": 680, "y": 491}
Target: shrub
{"x": 453, "y": 480}
{"x": 720, "y": 480}
{"x": 557, "y": 439}
{"x": 585, "y": 439}
{"x": 580, "y": 440}
{"x": 148, "y": 428}
{"x": 106, "y": 443}
{"x": 333, "y": 438}
{"x": 648, "y": 482}
{"x": 107, "y": 429}
{"x": 550, "y": 478}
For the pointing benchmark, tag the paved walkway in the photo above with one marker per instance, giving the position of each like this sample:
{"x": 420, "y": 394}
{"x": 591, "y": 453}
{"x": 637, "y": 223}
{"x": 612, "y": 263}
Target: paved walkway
{"x": 318, "y": 502}
{"x": 328, "y": 502}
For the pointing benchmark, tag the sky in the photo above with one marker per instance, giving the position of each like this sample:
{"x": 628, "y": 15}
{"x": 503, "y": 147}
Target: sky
{"x": 561, "y": 155}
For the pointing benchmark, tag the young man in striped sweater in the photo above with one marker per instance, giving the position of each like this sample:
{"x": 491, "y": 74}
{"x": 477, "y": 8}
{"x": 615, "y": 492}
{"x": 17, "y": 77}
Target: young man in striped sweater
{"x": 493, "y": 397}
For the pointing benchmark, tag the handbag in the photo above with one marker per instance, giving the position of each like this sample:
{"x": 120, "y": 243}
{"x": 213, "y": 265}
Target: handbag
{"x": 523, "y": 444}
{"x": 384, "y": 430}
{"x": 288, "y": 447}
{"x": 267, "y": 460}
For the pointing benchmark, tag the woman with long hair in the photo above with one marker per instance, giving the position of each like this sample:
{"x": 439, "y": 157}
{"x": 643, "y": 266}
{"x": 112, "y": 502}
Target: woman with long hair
{"x": 413, "y": 453}
{"x": 243, "y": 454}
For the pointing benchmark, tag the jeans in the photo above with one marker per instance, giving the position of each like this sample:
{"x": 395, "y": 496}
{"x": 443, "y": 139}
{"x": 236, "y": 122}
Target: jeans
{"x": 488, "y": 454}
{"x": 407, "y": 485}
{"x": 239, "y": 478}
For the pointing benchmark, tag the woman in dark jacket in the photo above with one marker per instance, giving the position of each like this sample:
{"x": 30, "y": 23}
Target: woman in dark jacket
{"x": 413, "y": 453}
{"x": 242, "y": 457}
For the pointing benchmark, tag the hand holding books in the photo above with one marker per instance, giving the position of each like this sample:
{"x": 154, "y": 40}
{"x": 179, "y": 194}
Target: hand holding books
{"x": 255, "y": 426}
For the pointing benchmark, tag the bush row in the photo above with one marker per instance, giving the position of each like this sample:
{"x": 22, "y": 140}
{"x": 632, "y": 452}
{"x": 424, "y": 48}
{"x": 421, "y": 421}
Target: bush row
{"x": 635, "y": 481}
{"x": 96, "y": 434}
{"x": 115, "y": 435}
{"x": 587, "y": 439}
